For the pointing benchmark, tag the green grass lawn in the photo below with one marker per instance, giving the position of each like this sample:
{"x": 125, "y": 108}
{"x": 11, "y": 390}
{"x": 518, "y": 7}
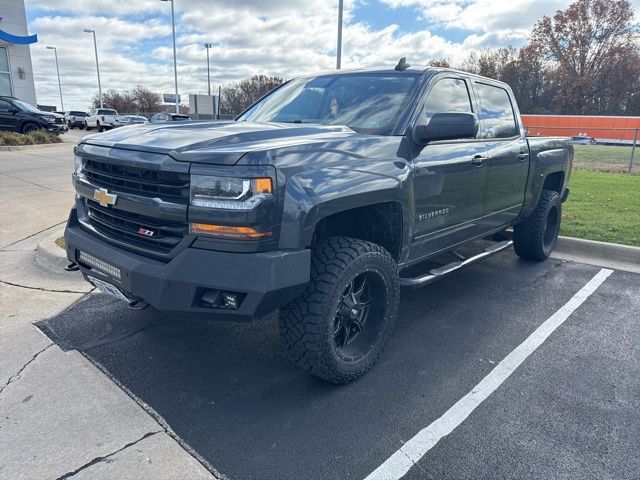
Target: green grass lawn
{"x": 605, "y": 158}
{"x": 603, "y": 206}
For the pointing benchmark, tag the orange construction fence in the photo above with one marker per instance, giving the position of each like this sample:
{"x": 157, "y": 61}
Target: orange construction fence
{"x": 619, "y": 128}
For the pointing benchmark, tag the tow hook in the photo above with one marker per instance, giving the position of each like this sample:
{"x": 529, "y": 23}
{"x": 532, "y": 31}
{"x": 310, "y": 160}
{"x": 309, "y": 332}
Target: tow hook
{"x": 72, "y": 267}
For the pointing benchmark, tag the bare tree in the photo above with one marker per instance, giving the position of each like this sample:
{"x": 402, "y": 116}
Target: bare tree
{"x": 439, "y": 62}
{"x": 584, "y": 43}
{"x": 145, "y": 100}
{"x": 238, "y": 96}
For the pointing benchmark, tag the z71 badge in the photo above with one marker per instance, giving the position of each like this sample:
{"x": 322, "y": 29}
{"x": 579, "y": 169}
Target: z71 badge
{"x": 433, "y": 214}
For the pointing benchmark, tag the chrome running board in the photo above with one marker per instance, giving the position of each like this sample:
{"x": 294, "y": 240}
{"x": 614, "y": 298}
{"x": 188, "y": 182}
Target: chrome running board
{"x": 439, "y": 272}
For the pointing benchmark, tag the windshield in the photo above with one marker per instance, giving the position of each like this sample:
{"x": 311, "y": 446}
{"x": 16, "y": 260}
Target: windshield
{"x": 365, "y": 102}
{"x": 26, "y": 107}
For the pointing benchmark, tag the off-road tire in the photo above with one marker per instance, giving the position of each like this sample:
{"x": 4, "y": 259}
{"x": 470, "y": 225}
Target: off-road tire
{"x": 100, "y": 127}
{"x": 307, "y": 323}
{"x": 535, "y": 237}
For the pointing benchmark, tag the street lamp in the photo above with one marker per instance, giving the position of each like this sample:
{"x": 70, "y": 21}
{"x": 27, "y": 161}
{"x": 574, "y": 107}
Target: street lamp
{"x": 95, "y": 47}
{"x": 339, "y": 49}
{"x": 207, "y": 45}
{"x": 175, "y": 62}
{"x": 55, "y": 51}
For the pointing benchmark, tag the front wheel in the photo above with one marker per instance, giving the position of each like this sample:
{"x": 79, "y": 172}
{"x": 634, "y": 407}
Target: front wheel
{"x": 100, "y": 128}
{"x": 29, "y": 127}
{"x": 535, "y": 237}
{"x": 340, "y": 325}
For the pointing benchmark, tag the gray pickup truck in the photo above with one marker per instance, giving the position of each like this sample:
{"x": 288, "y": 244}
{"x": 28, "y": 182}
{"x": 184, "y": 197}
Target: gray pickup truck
{"x": 321, "y": 200}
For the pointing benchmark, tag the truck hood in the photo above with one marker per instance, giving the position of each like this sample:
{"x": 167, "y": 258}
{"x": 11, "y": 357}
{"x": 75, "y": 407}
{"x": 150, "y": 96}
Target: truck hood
{"x": 219, "y": 143}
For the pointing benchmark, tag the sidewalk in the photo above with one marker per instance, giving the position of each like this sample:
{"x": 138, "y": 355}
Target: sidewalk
{"x": 60, "y": 416}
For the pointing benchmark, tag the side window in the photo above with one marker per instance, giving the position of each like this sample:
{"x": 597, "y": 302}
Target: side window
{"x": 497, "y": 112}
{"x": 449, "y": 95}
{"x": 4, "y": 106}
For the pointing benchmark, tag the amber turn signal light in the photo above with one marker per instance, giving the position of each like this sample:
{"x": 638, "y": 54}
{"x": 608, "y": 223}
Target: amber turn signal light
{"x": 262, "y": 185}
{"x": 224, "y": 231}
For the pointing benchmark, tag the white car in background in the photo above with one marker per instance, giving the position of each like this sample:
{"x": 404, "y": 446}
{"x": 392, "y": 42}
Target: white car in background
{"x": 102, "y": 119}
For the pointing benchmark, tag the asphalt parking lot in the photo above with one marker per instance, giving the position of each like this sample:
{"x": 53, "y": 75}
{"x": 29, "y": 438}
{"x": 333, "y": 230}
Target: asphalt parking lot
{"x": 570, "y": 410}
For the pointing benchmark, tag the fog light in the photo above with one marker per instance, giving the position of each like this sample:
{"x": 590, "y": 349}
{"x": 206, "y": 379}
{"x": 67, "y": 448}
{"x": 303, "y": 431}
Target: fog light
{"x": 231, "y": 300}
{"x": 99, "y": 265}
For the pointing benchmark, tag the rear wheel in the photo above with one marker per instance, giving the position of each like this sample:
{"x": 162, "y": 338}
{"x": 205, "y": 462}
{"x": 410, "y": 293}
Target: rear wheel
{"x": 87, "y": 127}
{"x": 70, "y": 125}
{"x": 340, "y": 325}
{"x": 535, "y": 237}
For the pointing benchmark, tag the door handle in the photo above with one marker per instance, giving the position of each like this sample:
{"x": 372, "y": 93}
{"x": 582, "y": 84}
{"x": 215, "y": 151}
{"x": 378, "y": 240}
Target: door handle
{"x": 478, "y": 160}
{"x": 523, "y": 156}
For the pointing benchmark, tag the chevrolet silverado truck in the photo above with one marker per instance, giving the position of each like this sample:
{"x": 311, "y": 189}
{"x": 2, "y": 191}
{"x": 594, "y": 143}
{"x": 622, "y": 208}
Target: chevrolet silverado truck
{"x": 101, "y": 119}
{"x": 320, "y": 201}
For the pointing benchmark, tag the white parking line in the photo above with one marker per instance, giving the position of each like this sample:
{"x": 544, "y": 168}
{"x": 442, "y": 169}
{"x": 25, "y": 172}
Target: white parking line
{"x": 398, "y": 464}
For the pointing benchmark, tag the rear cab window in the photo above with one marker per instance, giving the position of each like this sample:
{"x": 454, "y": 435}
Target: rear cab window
{"x": 498, "y": 116}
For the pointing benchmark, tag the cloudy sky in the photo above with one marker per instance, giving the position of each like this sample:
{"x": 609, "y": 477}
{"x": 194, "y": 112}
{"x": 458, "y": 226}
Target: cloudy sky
{"x": 274, "y": 37}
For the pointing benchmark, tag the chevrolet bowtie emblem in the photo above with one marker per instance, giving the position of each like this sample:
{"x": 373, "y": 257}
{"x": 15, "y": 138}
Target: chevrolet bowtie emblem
{"x": 104, "y": 198}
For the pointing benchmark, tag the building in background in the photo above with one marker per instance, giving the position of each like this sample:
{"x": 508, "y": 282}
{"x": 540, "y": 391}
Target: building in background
{"x": 16, "y": 71}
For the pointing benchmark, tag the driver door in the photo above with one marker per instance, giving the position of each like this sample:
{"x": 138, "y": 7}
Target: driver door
{"x": 449, "y": 175}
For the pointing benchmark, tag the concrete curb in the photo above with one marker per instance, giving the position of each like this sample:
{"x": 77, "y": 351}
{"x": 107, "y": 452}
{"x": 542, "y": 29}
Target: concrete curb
{"x": 49, "y": 255}
{"x": 17, "y": 148}
{"x": 601, "y": 254}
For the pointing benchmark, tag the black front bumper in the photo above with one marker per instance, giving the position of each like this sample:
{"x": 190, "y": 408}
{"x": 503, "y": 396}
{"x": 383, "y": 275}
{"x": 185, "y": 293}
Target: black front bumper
{"x": 56, "y": 127}
{"x": 267, "y": 279}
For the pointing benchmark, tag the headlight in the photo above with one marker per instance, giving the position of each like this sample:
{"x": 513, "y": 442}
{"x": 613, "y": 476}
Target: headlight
{"x": 78, "y": 166}
{"x": 50, "y": 119}
{"x": 229, "y": 193}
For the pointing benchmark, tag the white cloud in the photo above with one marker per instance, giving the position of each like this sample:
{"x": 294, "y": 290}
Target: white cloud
{"x": 274, "y": 37}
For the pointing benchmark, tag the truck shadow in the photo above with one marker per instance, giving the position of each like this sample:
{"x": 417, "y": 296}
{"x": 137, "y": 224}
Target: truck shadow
{"x": 229, "y": 393}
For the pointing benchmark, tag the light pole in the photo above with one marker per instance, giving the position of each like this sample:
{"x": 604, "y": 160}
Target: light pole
{"x": 55, "y": 51}
{"x": 207, "y": 45}
{"x": 339, "y": 49}
{"x": 95, "y": 47}
{"x": 175, "y": 62}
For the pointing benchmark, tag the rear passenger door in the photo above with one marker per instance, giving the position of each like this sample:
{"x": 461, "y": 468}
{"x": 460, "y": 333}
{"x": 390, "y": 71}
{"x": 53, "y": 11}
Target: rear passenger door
{"x": 507, "y": 166}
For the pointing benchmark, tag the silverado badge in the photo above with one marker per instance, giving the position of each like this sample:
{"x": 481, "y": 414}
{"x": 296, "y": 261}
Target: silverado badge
{"x": 105, "y": 198}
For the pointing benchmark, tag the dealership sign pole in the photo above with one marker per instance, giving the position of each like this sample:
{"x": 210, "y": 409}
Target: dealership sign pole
{"x": 55, "y": 51}
{"x": 339, "y": 49}
{"x": 95, "y": 47}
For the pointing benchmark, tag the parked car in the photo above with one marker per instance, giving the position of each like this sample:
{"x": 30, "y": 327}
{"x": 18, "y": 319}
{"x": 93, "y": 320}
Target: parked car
{"x": 19, "y": 116}
{"x": 75, "y": 118}
{"x": 583, "y": 139}
{"x": 316, "y": 201}
{"x": 169, "y": 117}
{"x": 101, "y": 119}
{"x": 132, "y": 120}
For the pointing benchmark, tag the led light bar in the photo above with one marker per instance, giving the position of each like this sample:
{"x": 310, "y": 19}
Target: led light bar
{"x": 99, "y": 265}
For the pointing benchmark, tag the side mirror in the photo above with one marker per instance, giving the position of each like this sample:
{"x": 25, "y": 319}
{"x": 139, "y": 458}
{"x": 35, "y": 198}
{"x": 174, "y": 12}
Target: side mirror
{"x": 447, "y": 126}
{"x": 13, "y": 110}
